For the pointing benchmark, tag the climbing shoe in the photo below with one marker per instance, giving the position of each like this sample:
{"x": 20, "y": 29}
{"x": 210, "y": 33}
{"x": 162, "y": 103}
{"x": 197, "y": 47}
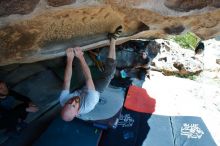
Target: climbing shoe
{"x": 116, "y": 33}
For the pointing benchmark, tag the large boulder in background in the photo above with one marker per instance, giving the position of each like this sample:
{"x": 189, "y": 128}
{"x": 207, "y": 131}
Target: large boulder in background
{"x": 174, "y": 60}
{"x": 37, "y": 30}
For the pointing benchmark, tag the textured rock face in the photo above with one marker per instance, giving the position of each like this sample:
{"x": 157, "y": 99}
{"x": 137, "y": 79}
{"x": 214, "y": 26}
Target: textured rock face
{"x": 186, "y": 5}
{"x": 174, "y": 60}
{"x": 8, "y": 7}
{"x": 37, "y": 30}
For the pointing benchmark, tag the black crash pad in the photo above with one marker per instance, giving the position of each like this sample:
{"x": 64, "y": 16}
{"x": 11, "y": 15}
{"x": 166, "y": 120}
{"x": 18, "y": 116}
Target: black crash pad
{"x": 131, "y": 130}
{"x": 74, "y": 133}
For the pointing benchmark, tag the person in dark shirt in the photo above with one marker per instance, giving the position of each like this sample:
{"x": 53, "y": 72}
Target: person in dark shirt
{"x": 199, "y": 48}
{"x": 11, "y": 116}
{"x": 141, "y": 54}
{"x": 147, "y": 54}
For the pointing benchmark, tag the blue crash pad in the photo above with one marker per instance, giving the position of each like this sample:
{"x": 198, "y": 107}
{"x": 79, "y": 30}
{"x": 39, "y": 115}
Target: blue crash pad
{"x": 178, "y": 131}
{"x": 191, "y": 131}
{"x": 74, "y": 133}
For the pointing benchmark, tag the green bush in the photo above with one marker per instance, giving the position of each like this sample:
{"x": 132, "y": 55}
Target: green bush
{"x": 189, "y": 76}
{"x": 188, "y": 40}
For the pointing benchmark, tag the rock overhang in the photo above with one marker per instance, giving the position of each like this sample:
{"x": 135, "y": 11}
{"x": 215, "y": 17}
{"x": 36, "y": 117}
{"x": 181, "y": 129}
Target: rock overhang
{"x": 52, "y": 26}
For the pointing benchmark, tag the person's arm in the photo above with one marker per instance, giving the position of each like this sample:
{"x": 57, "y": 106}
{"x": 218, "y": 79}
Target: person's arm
{"x": 143, "y": 63}
{"x": 85, "y": 68}
{"x": 68, "y": 69}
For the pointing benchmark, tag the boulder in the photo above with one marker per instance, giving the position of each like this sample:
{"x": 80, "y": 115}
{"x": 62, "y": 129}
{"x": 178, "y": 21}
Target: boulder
{"x": 175, "y": 60}
{"x": 36, "y": 30}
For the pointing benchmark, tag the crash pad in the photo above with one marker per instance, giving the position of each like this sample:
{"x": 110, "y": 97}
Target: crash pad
{"x": 141, "y": 129}
{"x": 43, "y": 89}
{"x": 108, "y": 123}
{"x": 137, "y": 99}
{"x": 74, "y": 133}
{"x": 110, "y": 102}
{"x": 131, "y": 130}
{"x": 178, "y": 131}
{"x": 190, "y": 130}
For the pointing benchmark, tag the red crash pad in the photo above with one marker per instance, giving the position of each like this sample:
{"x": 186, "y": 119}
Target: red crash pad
{"x": 138, "y": 100}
